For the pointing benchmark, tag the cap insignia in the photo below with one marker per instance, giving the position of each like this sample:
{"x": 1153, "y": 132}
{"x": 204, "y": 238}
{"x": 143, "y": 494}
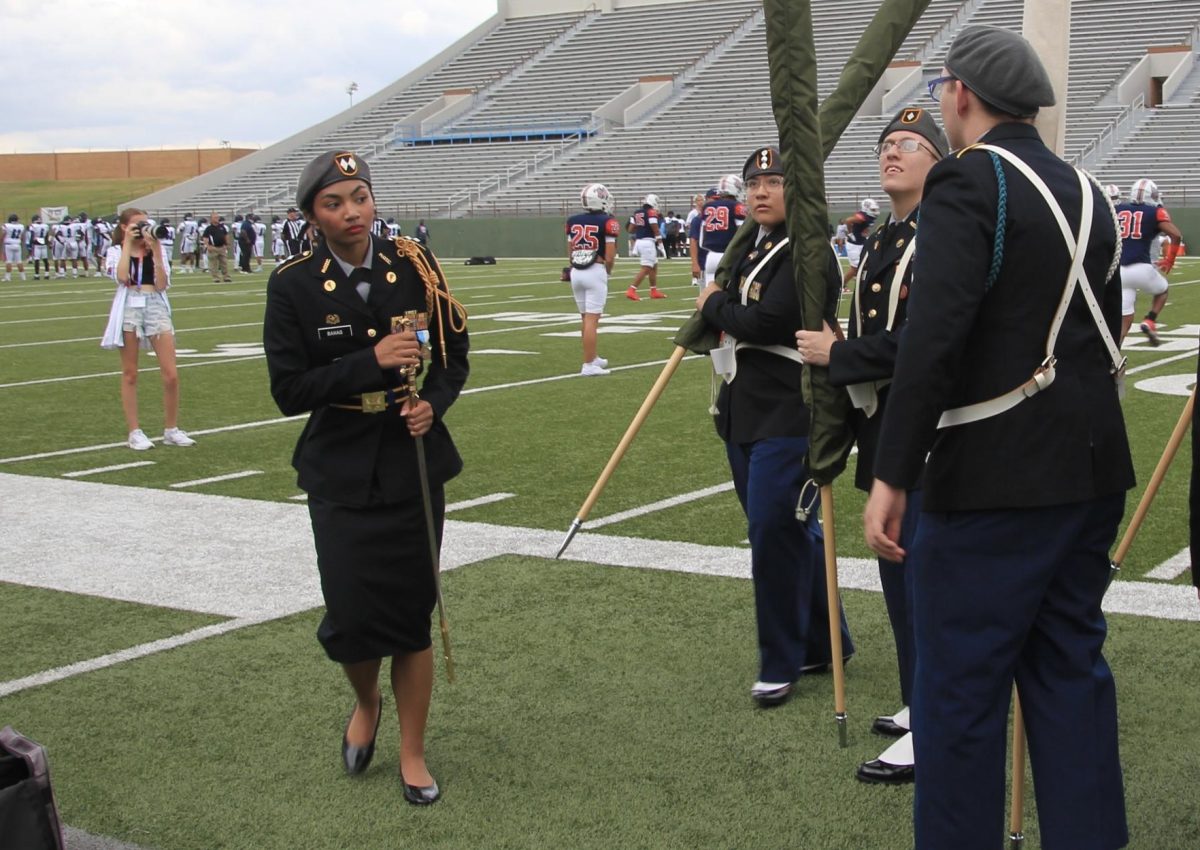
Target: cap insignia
{"x": 346, "y": 164}
{"x": 911, "y": 116}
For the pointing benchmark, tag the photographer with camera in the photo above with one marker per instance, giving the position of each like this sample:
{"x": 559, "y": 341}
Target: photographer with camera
{"x": 141, "y": 318}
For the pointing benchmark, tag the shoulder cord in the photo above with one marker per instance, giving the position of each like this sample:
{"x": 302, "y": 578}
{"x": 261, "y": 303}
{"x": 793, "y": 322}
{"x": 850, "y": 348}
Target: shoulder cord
{"x": 1001, "y": 222}
{"x": 437, "y": 288}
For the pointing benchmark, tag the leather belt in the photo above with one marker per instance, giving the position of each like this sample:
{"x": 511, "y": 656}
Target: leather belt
{"x": 375, "y": 402}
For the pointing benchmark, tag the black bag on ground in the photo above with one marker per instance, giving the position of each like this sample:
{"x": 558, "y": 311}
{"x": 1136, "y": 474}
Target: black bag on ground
{"x": 28, "y": 814}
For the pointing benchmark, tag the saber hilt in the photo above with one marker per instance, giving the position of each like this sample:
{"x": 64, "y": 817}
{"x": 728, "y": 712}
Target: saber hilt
{"x": 576, "y": 524}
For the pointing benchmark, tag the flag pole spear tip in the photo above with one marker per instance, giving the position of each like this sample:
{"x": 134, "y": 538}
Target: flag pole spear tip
{"x": 575, "y": 525}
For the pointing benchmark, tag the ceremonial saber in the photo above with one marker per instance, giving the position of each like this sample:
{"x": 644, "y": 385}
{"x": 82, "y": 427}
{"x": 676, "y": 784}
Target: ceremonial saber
{"x": 1160, "y": 472}
{"x": 623, "y": 446}
{"x": 835, "y": 614}
{"x": 443, "y": 623}
{"x": 1016, "y": 837}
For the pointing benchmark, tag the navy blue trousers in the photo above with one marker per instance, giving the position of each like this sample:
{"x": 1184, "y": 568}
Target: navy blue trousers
{"x": 787, "y": 558}
{"x": 1004, "y": 594}
{"x": 896, "y": 578}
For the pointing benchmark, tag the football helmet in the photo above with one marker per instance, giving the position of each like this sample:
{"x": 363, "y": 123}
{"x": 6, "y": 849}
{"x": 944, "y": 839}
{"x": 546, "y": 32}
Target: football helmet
{"x": 652, "y": 200}
{"x": 1113, "y": 191}
{"x": 595, "y": 197}
{"x": 730, "y": 185}
{"x": 1144, "y": 192}
{"x": 869, "y": 206}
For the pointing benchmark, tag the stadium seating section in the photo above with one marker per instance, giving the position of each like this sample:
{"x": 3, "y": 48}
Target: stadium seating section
{"x": 530, "y": 126}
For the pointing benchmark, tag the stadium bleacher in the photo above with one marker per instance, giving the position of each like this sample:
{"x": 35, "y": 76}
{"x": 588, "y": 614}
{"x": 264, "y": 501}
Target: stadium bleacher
{"x": 531, "y": 125}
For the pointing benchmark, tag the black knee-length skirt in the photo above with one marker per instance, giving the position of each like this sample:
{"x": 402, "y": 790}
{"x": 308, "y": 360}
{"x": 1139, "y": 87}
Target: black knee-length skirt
{"x": 376, "y": 576}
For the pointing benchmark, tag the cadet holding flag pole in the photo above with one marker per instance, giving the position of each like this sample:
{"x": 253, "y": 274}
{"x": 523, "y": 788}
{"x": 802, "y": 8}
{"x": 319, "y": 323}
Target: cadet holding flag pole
{"x": 329, "y": 351}
{"x": 1007, "y": 379}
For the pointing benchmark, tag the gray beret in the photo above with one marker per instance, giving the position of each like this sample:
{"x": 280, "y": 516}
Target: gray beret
{"x": 329, "y": 167}
{"x": 1002, "y": 68}
{"x": 914, "y": 119}
{"x": 765, "y": 160}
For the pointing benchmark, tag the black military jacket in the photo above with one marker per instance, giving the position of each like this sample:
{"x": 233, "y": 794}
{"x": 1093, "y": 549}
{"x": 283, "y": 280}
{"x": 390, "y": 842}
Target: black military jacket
{"x": 869, "y": 351}
{"x": 964, "y": 343}
{"x": 319, "y": 336}
{"x": 764, "y": 400}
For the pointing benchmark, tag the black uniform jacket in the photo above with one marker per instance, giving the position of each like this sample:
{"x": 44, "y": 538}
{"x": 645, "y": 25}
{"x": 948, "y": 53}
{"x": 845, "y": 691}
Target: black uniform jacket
{"x": 319, "y": 337}
{"x": 764, "y": 400}
{"x": 869, "y": 351}
{"x": 963, "y": 344}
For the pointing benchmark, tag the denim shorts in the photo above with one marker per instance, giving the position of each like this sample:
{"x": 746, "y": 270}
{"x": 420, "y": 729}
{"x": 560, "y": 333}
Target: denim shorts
{"x": 150, "y": 320}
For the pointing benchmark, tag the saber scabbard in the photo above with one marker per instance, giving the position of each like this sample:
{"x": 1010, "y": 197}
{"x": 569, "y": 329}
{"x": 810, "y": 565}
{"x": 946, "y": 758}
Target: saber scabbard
{"x": 623, "y": 446}
{"x": 434, "y": 557}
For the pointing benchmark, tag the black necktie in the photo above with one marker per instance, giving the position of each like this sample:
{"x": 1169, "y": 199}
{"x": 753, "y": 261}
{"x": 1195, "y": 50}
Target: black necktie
{"x": 361, "y": 276}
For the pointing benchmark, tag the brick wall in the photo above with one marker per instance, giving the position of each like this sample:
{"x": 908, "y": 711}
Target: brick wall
{"x": 95, "y": 165}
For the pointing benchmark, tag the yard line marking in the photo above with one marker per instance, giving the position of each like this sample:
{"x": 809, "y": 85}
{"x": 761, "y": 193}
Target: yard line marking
{"x": 481, "y": 500}
{"x": 80, "y": 473}
{"x": 99, "y": 318}
{"x": 247, "y": 473}
{"x": 57, "y": 674}
{"x": 1188, "y": 355}
{"x": 301, "y": 416}
{"x": 660, "y": 505}
{"x": 217, "y": 361}
{"x": 96, "y": 339}
{"x": 1172, "y": 567}
{"x": 299, "y": 497}
{"x": 241, "y": 426}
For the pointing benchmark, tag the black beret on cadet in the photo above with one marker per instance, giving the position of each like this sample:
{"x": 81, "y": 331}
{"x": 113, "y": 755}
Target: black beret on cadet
{"x": 765, "y": 160}
{"x": 1002, "y": 68}
{"x": 914, "y": 119}
{"x": 329, "y": 167}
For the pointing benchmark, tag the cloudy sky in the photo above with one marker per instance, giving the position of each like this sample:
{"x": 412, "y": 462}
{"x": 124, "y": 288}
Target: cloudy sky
{"x": 115, "y": 74}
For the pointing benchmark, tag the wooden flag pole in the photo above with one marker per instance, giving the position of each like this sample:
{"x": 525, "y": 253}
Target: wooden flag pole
{"x": 1016, "y": 835}
{"x": 623, "y": 446}
{"x": 835, "y": 613}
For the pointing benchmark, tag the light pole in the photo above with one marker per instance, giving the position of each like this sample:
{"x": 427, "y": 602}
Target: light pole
{"x": 350, "y": 90}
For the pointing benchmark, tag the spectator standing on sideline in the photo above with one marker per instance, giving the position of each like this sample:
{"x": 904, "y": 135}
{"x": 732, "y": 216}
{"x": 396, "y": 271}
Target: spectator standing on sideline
{"x": 216, "y": 246}
{"x": 423, "y": 233}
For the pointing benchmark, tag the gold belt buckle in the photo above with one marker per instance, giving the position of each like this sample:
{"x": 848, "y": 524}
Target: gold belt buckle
{"x": 375, "y": 402}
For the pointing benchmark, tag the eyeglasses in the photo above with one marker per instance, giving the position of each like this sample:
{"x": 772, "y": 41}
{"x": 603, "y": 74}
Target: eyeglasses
{"x": 905, "y": 146}
{"x": 772, "y": 182}
{"x": 935, "y": 86}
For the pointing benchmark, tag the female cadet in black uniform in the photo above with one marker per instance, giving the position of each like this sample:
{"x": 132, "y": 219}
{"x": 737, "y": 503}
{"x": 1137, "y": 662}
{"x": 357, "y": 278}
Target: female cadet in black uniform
{"x": 330, "y": 351}
{"x": 761, "y": 416}
{"x": 908, "y": 147}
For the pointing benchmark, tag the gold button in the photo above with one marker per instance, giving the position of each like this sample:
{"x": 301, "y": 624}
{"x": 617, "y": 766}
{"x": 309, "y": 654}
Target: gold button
{"x": 876, "y": 287}
{"x": 872, "y": 313}
{"x": 900, "y": 242}
{"x": 371, "y": 332}
{"x": 330, "y": 285}
{"x": 391, "y": 277}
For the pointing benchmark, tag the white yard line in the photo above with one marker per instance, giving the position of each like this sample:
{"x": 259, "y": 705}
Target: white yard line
{"x": 96, "y": 339}
{"x": 263, "y": 566}
{"x": 230, "y": 476}
{"x": 489, "y": 499}
{"x": 660, "y": 505}
{"x": 99, "y": 469}
{"x": 100, "y": 319}
{"x": 1172, "y": 567}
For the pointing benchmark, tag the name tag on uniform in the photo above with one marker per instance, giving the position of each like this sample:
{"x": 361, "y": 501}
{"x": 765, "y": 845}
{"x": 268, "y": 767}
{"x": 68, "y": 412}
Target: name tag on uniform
{"x": 335, "y": 332}
{"x": 136, "y": 301}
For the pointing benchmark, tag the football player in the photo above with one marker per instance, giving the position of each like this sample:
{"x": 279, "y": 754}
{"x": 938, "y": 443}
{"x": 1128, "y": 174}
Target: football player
{"x": 277, "y": 249}
{"x": 592, "y": 250}
{"x": 1141, "y": 219}
{"x": 857, "y": 228}
{"x": 645, "y": 229}
{"x": 722, "y": 216}
{"x": 188, "y": 232}
{"x": 14, "y": 233}
{"x": 39, "y": 248}
{"x": 165, "y": 234}
{"x": 60, "y": 234}
{"x": 694, "y": 222}
{"x": 260, "y": 239}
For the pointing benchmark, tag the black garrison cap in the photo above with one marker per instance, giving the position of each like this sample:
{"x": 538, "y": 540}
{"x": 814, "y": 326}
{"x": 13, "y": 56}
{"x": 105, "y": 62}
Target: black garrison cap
{"x": 765, "y": 160}
{"x": 914, "y": 119}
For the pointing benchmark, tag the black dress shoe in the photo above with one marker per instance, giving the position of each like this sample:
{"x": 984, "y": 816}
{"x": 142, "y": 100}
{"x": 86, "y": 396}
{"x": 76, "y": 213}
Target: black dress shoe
{"x": 421, "y": 795}
{"x": 881, "y": 772}
{"x": 889, "y": 727}
{"x": 355, "y": 759}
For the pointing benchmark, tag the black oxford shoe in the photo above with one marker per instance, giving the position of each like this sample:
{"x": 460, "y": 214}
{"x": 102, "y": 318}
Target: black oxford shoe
{"x": 354, "y": 758}
{"x": 421, "y": 795}
{"x": 880, "y": 772}
{"x": 889, "y": 727}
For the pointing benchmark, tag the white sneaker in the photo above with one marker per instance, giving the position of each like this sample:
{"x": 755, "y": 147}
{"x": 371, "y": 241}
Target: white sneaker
{"x": 175, "y": 437}
{"x": 601, "y": 362}
{"x": 138, "y": 441}
{"x": 590, "y": 369}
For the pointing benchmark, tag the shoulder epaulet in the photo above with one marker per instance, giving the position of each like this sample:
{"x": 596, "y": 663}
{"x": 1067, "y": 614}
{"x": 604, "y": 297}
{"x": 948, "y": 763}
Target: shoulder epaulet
{"x": 297, "y": 259}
